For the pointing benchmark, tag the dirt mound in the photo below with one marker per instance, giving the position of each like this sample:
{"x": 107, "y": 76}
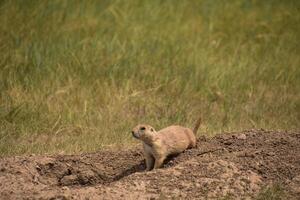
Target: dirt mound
{"x": 236, "y": 165}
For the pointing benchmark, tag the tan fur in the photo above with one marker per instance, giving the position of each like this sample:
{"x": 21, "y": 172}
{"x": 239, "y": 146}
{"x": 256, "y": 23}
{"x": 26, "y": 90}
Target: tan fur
{"x": 168, "y": 141}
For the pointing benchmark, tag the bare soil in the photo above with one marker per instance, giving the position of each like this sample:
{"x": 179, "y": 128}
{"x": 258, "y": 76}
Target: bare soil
{"x": 232, "y": 166}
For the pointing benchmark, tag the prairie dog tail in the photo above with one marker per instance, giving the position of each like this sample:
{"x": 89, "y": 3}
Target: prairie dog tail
{"x": 197, "y": 125}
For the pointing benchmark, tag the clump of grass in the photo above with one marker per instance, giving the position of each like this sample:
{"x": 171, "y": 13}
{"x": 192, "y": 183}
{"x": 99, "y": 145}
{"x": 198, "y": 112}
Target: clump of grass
{"x": 275, "y": 192}
{"x": 77, "y": 75}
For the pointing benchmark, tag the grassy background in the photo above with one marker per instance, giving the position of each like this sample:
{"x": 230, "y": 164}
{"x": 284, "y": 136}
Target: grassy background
{"x": 76, "y": 76}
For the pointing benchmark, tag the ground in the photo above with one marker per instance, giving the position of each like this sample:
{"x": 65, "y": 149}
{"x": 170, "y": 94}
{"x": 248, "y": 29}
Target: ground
{"x": 229, "y": 166}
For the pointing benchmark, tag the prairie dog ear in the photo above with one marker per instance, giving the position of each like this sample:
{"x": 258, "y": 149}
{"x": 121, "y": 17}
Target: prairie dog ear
{"x": 151, "y": 129}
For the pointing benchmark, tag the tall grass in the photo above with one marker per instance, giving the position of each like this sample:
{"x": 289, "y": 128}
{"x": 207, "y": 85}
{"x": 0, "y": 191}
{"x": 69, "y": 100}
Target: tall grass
{"x": 78, "y": 75}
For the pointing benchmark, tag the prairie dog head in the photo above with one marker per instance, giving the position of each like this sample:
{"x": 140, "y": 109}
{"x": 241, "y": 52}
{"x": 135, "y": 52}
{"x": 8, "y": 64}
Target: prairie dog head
{"x": 143, "y": 131}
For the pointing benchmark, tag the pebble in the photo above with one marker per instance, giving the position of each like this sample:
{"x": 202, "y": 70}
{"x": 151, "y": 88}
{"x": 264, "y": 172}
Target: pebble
{"x": 241, "y": 136}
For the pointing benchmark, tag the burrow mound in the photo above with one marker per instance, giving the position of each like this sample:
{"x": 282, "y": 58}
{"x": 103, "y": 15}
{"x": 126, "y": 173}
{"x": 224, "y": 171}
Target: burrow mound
{"x": 90, "y": 169}
{"x": 232, "y": 165}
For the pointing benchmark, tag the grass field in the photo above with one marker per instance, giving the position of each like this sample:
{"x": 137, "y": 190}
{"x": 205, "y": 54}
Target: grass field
{"x": 76, "y": 76}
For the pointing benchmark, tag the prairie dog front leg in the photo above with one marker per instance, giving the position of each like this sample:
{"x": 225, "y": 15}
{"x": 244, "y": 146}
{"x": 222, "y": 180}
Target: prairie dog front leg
{"x": 158, "y": 162}
{"x": 149, "y": 161}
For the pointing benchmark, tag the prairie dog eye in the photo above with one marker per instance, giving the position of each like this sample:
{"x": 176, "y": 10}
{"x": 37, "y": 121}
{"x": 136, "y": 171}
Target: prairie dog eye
{"x": 142, "y": 128}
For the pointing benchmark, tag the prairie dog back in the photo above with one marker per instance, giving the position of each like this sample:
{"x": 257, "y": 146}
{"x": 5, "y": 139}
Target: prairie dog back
{"x": 177, "y": 138}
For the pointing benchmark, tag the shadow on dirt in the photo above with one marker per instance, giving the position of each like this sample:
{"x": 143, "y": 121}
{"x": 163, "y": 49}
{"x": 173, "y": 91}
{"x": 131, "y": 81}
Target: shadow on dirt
{"x": 135, "y": 168}
{"x": 77, "y": 172}
{"x": 141, "y": 167}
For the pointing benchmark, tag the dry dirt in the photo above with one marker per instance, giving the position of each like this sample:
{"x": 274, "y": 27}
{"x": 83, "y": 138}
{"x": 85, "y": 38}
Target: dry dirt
{"x": 234, "y": 166}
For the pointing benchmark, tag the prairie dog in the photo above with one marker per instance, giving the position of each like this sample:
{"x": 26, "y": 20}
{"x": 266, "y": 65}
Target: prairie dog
{"x": 168, "y": 141}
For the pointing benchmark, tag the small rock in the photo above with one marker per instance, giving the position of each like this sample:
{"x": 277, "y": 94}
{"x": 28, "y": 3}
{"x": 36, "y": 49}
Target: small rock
{"x": 241, "y": 136}
{"x": 271, "y": 153}
{"x": 295, "y": 184}
{"x": 171, "y": 162}
{"x": 69, "y": 180}
{"x": 246, "y": 154}
{"x": 65, "y": 188}
{"x": 297, "y": 179}
{"x": 202, "y": 138}
{"x": 228, "y": 142}
{"x": 59, "y": 197}
{"x": 251, "y": 134}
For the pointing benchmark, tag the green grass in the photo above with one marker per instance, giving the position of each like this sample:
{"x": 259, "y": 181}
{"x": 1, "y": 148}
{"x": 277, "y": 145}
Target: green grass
{"x": 76, "y": 76}
{"x": 273, "y": 192}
